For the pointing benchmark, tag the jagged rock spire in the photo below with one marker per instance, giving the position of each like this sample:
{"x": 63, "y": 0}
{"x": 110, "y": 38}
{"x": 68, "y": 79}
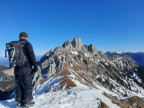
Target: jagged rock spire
{"x": 67, "y": 45}
{"x": 92, "y": 49}
{"x": 77, "y": 43}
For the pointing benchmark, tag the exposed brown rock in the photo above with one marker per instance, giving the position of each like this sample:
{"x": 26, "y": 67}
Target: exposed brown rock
{"x": 76, "y": 68}
{"x": 9, "y": 72}
{"x": 68, "y": 83}
{"x": 135, "y": 102}
{"x": 64, "y": 72}
{"x": 103, "y": 105}
{"x": 132, "y": 102}
{"x": 64, "y": 64}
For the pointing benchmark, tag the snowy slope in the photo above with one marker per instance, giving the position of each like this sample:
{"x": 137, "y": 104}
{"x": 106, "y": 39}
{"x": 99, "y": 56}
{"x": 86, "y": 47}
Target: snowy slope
{"x": 66, "y": 99}
{"x": 78, "y": 97}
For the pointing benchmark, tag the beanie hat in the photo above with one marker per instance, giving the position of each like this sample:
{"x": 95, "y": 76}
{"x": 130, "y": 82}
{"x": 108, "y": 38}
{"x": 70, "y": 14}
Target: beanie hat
{"x": 23, "y": 34}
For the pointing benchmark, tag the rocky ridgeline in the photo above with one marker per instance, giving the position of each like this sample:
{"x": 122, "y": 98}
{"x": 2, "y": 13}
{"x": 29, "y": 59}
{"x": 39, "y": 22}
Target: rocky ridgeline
{"x": 75, "y": 62}
{"x": 78, "y": 57}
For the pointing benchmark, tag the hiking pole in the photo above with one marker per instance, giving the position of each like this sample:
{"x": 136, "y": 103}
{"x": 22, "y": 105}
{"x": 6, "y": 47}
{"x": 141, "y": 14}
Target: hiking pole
{"x": 10, "y": 7}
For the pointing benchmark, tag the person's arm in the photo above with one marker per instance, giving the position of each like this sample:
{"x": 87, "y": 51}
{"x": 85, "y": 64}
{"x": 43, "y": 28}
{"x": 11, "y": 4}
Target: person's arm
{"x": 31, "y": 56}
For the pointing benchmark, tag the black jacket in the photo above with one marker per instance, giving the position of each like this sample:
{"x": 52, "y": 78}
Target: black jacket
{"x": 28, "y": 50}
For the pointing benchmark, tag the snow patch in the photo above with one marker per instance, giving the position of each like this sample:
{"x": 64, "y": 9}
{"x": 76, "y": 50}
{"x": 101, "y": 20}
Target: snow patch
{"x": 137, "y": 77}
{"x": 75, "y": 52}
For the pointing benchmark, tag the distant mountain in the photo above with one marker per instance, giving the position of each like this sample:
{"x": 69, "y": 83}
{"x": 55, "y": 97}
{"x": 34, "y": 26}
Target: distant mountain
{"x": 4, "y": 60}
{"x": 138, "y": 57}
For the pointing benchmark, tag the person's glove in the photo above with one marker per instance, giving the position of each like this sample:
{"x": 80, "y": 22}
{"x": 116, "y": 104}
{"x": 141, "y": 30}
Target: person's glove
{"x": 35, "y": 69}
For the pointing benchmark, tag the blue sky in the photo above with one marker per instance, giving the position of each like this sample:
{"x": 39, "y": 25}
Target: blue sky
{"x": 111, "y": 25}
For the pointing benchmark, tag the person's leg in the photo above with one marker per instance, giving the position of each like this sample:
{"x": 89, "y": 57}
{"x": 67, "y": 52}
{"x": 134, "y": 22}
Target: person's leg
{"x": 18, "y": 90}
{"x": 27, "y": 86}
{"x": 27, "y": 96}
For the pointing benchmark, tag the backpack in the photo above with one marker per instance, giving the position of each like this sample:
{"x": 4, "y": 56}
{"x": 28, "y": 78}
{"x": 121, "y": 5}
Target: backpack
{"x": 15, "y": 50}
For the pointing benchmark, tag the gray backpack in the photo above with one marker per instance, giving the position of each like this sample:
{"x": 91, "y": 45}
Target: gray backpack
{"x": 15, "y": 50}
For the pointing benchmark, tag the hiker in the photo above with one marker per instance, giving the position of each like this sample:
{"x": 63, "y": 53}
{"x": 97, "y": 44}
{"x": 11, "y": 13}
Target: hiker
{"x": 24, "y": 74}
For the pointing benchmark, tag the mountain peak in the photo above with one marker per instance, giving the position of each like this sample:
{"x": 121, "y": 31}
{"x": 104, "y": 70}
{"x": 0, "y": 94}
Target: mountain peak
{"x": 67, "y": 45}
{"x": 92, "y": 49}
{"x": 77, "y": 43}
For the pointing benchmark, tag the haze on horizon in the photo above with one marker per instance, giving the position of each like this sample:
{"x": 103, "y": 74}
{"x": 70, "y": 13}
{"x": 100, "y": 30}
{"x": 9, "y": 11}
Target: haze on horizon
{"x": 110, "y": 25}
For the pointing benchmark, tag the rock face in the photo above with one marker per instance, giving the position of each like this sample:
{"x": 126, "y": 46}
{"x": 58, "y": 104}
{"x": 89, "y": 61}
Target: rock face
{"x": 75, "y": 62}
{"x": 7, "y": 82}
{"x": 37, "y": 79}
{"x": 77, "y": 43}
{"x": 131, "y": 102}
{"x": 92, "y": 49}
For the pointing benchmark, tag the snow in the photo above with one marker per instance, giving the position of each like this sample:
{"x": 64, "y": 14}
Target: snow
{"x": 80, "y": 96}
{"x": 1, "y": 79}
{"x": 74, "y": 98}
{"x": 106, "y": 90}
{"x": 120, "y": 90}
{"x": 8, "y": 104}
{"x": 75, "y": 52}
{"x": 119, "y": 52}
{"x": 46, "y": 85}
{"x": 137, "y": 77}
{"x": 89, "y": 56}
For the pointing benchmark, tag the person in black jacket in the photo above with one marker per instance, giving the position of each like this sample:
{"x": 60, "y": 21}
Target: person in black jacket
{"x": 24, "y": 75}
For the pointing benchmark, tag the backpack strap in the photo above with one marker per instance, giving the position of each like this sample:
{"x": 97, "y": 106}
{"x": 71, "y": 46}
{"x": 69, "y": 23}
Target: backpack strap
{"x": 23, "y": 43}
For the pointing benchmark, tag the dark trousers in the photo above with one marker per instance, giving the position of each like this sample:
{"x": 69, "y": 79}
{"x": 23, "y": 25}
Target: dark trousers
{"x": 23, "y": 78}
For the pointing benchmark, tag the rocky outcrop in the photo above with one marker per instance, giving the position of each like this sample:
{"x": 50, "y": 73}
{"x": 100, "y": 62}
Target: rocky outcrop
{"x": 91, "y": 66}
{"x": 103, "y": 105}
{"x": 77, "y": 43}
{"x": 67, "y": 45}
{"x": 92, "y": 49}
{"x": 134, "y": 102}
{"x": 129, "y": 102}
{"x": 7, "y": 82}
{"x": 37, "y": 79}
{"x": 77, "y": 63}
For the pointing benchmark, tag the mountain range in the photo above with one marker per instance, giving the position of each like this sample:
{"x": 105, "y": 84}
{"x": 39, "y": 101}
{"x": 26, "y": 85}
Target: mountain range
{"x": 138, "y": 57}
{"x": 4, "y": 60}
{"x": 75, "y": 75}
